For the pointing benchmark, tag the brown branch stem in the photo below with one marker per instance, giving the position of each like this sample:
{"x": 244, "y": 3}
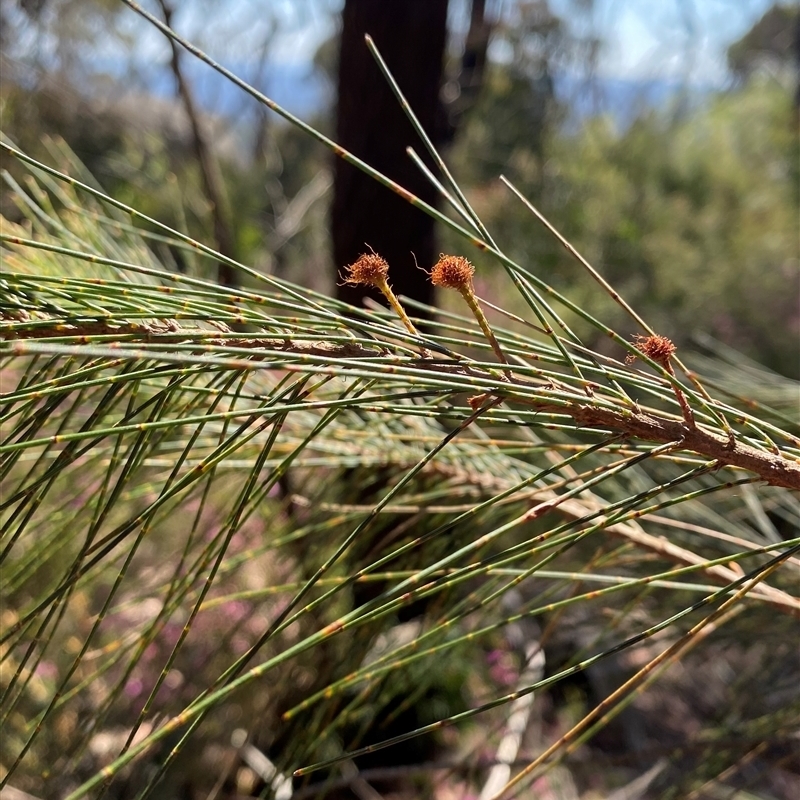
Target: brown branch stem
{"x": 777, "y": 470}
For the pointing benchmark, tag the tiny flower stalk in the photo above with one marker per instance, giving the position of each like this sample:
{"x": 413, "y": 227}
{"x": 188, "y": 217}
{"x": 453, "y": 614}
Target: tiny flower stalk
{"x": 455, "y": 272}
{"x": 660, "y": 349}
{"x": 370, "y": 269}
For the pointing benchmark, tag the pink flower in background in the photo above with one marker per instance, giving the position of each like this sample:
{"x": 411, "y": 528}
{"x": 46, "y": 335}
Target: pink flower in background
{"x": 502, "y": 667}
{"x": 46, "y": 670}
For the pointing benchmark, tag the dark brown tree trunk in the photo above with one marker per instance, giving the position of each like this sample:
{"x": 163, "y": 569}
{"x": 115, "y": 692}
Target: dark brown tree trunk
{"x": 410, "y": 35}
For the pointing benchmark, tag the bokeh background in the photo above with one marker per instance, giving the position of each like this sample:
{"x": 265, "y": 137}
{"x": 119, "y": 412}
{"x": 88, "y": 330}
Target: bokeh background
{"x": 660, "y": 138}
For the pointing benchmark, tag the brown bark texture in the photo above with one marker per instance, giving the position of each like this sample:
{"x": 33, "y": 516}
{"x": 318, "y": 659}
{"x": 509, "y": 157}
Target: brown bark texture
{"x": 410, "y": 35}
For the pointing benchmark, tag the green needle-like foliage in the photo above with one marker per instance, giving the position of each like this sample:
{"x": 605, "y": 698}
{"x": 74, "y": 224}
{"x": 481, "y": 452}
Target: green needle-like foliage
{"x": 256, "y": 509}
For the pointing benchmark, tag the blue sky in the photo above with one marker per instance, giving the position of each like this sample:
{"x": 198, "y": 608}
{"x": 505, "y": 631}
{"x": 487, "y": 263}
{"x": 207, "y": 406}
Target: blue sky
{"x": 654, "y": 38}
{"x": 650, "y": 46}
{"x": 644, "y": 39}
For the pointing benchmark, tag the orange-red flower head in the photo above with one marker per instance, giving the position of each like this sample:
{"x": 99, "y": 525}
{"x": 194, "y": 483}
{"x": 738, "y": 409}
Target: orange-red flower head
{"x": 658, "y": 348}
{"x": 369, "y": 269}
{"x": 452, "y": 272}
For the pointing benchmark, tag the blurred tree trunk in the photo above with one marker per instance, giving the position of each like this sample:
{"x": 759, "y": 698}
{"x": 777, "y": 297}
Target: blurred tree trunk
{"x": 461, "y": 92}
{"x": 213, "y": 185}
{"x": 410, "y": 35}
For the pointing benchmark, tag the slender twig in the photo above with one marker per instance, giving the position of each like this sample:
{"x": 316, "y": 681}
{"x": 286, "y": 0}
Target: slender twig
{"x": 647, "y": 673}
